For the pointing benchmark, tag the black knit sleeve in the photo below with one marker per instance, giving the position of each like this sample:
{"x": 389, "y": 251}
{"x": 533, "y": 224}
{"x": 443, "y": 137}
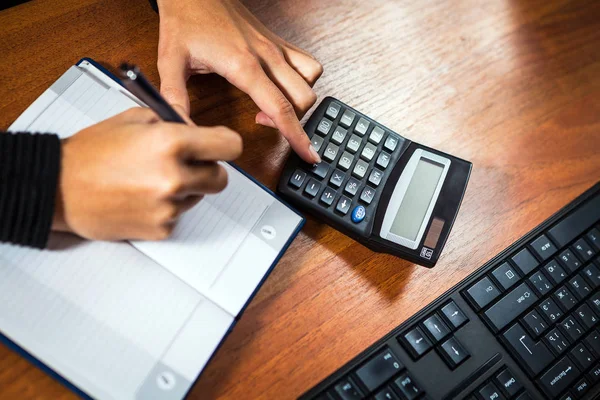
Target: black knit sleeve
{"x": 154, "y": 5}
{"x": 29, "y": 169}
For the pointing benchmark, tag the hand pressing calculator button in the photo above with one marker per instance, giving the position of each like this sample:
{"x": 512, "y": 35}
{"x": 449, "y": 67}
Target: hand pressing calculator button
{"x": 387, "y": 192}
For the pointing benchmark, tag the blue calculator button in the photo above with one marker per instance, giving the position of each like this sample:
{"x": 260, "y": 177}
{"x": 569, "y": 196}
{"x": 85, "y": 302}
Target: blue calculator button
{"x": 358, "y": 214}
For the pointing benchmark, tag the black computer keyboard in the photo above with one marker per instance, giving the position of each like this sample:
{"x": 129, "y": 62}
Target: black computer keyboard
{"x": 523, "y": 326}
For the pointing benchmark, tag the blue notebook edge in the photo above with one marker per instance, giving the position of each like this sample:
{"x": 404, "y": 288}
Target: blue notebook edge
{"x": 79, "y": 392}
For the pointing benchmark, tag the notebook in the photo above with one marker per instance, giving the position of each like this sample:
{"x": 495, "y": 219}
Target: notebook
{"x": 136, "y": 320}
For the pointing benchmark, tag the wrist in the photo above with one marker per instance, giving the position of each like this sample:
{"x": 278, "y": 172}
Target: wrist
{"x": 59, "y": 222}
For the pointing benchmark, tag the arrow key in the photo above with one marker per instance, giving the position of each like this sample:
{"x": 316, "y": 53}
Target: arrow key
{"x": 453, "y": 352}
{"x": 343, "y": 205}
{"x": 436, "y": 328}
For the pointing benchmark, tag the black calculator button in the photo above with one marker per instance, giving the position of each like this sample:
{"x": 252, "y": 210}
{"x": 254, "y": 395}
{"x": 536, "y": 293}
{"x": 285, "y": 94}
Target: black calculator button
{"x": 343, "y": 205}
{"x": 337, "y": 178}
{"x": 312, "y": 188}
{"x": 391, "y": 143}
{"x": 324, "y": 127}
{"x": 360, "y": 169}
{"x": 352, "y": 186}
{"x": 375, "y": 177}
{"x": 383, "y": 160}
{"x": 333, "y": 110}
{"x": 328, "y": 196}
{"x": 347, "y": 118}
{"x": 367, "y": 195}
{"x": 345, "y": 161}
{"x": 320, "y": 170}
{"x": 376, "y": 135}
{"x": 358, "y": 214}
{"x": 353, "y": 144}
{"x": 317, "y": 142}
{"x": 368, "y": 152}
{"x": 297, "y": 178}
{"x": 339, "y": 134}
{"x": 331, "y": 152}
{"x": 361, "y": 127}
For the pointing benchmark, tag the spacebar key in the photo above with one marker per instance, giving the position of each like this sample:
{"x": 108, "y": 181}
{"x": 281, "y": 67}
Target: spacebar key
{"x": 510, "y": 306}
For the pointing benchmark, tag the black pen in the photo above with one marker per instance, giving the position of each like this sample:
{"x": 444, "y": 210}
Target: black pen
{"x": 138, "y": 85}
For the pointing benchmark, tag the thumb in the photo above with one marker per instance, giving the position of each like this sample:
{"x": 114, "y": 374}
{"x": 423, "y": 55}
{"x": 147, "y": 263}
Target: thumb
{"x": 173, "y": 77}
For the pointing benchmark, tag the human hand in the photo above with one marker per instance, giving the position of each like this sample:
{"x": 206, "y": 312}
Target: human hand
{"x": 222, "y": 36}
{"x": 131, "y": 176}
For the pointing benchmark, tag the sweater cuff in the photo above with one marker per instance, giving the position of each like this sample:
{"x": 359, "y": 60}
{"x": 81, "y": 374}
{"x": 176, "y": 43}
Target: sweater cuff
{"x": 29, "y": 170}
{"x": 154, "y": 5}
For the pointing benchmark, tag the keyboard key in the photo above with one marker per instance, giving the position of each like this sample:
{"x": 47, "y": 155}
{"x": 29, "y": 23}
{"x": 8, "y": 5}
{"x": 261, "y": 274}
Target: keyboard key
{"x": 555, "y": 271}
{"x": 535, "y": 323}
{"x": 541, "y": 283}
{"x": 312, "y": 187}
{"x": 333, "y": 110}
{"x": 352, "y": 186}
{"x": 581, "y": 387}
{"x": 567, "y": 396}
{"x": 510, "y": 306}
{"x": 361, "y": 126}
{"x": 379, "y": 369}
{"x": 358, "y": 214}
{"x": 347, "y": 118}
{"x": 592, "y": 341}
{"x": 557, "y": 341}
{"x": 454, "y": 315}
{"x": 490, "y": 392}
{"x": 582, "y": 356}
{"x": 376, "y": 135}
{"x": 407, "y": 387}
{"x": 297, "y": 178}
{"x": 483, "y": 293}
{"x": 347, "y": 390}
{"x": 508, "y": 383}
{"x": 579, "y": 286}
{"x": 391, "y": 143}
{"x": 339, "y": 134}
{"x": 586, "y": 316}
{"x": 436, "y": 328}
{"x": 343, "y": 205}
{"x": 525, "y": 261}
{"x": 534, "y": 355}
{"x": 565, "y": 298}
{"x": 593, "y": 237}
{"x": 571, "y": 328}
{"x": 383, "y": 160}
{"x": 559, "y": 377}
{"x": 524, "y": 396}
{"x": 331, "y": 152}
{"x": 551, "y": 310}
{"x": 453, "y": 352}
{"x": 594, "y": 302}
{"x": 353, "y": 144}
{"x": 317, "y": 142}
{"x": 360, "y": 169}
{"x": 576, "y": 223}
{"x": 543, "y": 247}
{"x": 592, "y": 275}
{"x": 569, "y": 260}
{"x": 416, "y": 342}
{"x": 337, "y": 178}
{"x": 375, "y": 177}
{"x": 320, "y": 170}
{"x": 324, "y": 127}
{"x": 368, "y": 152}
{"x": 367, "y": 195}
{"x": 506, "y": 275}
{"x": 583, "y": 250}
{"x": 345, "y": 161}
{"x": 386, "y": 394}
{"x": 594, "y": 374}
{"x": 327, "y": 196}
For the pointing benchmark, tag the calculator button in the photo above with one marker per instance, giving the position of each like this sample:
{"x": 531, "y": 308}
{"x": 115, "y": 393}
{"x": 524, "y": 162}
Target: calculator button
{"x": 367, "y": 195}
{"x": 297, "y": 178}
{"x": 352, "y": 186}
{"x": 353, "y": 144}
{"x": 324, "y": 127}
{"x": 391, "y": 143}
{"x": 376, "y": 135}
{"x": 337, "y": 178}
{"x": 368, "y": 152}
{"x": 343, "y": 205}
{"x": 358, "y": 214}
{"x": 312, "y": 188}
{"x": 333, "y": 110}
{"x": 347, "y": 118}
{"x": 375, "y": 177}
{"x": 361, "y": 127}
{"x": 320, "y": 170}
{"x": 330, "y": 152}
{"x": 339, "y": 134}
{"x": 360, "y": 169}
{"x": 328, "y": 196}
{"x": 383, "y": 160}
{"x": 345, "y": 161}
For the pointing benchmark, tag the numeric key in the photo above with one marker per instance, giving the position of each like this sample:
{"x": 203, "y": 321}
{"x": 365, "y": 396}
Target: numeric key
{"x": 347, "y": 118}
{"x": 361, "y": 126}
{"x": 555, "y": 271}
{"x": 569, "y": 260}
{"x": 331, "y": 152}
{"x": 324, "y": 127}
{"x": 333, "y": 110}
{"x": 339, "y": 134}
{"x": 376, "y": 135}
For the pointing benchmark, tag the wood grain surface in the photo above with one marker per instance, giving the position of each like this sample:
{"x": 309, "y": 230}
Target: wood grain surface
{"x": 511, "y": 85}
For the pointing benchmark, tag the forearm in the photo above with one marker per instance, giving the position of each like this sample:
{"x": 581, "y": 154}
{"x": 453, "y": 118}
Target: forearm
{"x": 29, "y": 169}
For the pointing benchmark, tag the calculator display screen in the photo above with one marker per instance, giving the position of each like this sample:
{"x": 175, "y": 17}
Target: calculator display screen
{"x": 418, "y": 197}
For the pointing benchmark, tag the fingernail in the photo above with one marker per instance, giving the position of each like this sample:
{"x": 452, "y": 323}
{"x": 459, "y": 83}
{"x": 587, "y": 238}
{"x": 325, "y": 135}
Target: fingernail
{"x": 314, "y": 154}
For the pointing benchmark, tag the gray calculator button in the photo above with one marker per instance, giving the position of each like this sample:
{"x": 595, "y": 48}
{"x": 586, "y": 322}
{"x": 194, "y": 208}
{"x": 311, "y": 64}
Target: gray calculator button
{"x": 352, "y": 186}
{"x": 312, "y": 188}
{"x": 338, "y": 135}
{"x": 375, "y": 177}
{"x": 376, "y": 135}
{"x": 368, "y": 152}
{"x": 328, "y": 196}
{"x": 337, "y": 178}
{"x": 383, "y": 160}
{"x": 320, "y": 170}
{"x": 343, "y": 205}
{"x": 361, "y": 126}
{"x": 333, "y": 110}
{"x": 345, "y": 161}
{"x": 324, "y": 127}
{"x": 391, "y": 143}
{"x": 367, "y": 195}
{"x": 297, "y": 178}
{"x": 330, "y": 152}
{"x": 360, "y": 169}
{"x": 353, "y": 144}
{"x": 347, "y": 118}
{"x": 317, "y": 142}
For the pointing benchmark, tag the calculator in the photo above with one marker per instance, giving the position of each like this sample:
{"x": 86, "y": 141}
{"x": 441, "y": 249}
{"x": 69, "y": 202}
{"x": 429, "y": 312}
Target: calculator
{"x": 385, "y": 191}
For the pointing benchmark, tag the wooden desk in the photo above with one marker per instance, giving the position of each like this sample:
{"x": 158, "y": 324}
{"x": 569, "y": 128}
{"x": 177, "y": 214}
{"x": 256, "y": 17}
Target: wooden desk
{"x": 511, "y": 85}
